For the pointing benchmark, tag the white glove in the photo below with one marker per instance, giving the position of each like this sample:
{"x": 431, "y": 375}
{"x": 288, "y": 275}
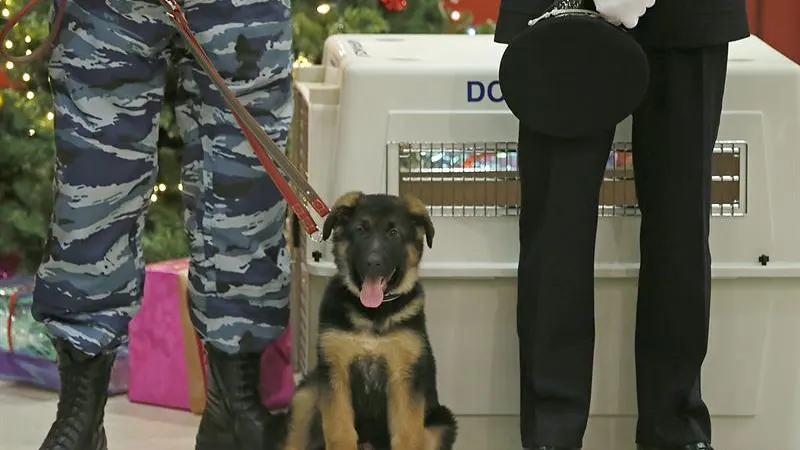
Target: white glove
{"x": 623, "y": 12}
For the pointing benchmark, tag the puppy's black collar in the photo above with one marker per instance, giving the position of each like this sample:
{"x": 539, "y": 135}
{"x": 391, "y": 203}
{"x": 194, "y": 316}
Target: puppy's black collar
{"x": 390, "y": 297}
{"x": 413, "y": 292}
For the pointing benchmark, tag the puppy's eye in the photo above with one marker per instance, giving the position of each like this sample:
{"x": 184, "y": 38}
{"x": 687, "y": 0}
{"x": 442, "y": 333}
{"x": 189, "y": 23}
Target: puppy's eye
{"x": 394, "y": 233}
{"x": 361, "y": 228}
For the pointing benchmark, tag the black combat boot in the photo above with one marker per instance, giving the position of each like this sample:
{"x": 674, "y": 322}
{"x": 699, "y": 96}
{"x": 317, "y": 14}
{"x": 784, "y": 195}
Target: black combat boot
{"x": 234, "y": 418}
{"x": 84, "y": 392}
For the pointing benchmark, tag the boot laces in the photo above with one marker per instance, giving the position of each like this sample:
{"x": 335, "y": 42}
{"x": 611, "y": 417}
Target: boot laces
{"x": 77, "y": 410}
{"x": 246, "y": 397}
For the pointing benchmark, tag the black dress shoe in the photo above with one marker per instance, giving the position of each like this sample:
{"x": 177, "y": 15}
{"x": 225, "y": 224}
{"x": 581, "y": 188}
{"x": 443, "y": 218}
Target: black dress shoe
{"x": 698, "y": 446}
{"x": 81, "y": 401}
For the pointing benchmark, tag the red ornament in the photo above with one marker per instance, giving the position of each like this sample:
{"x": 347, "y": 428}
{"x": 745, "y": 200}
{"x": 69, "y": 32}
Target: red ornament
{"x": 9, "y": 264}
{"x": 7, "y": 82}
{"x": 394, "y": 5}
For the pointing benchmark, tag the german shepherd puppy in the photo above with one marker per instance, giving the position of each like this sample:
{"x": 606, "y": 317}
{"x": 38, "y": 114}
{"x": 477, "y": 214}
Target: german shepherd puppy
{"x": 375, "y": 380}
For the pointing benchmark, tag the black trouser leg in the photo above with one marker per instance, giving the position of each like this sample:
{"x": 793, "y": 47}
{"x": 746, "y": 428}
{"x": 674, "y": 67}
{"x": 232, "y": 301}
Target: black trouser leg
{"x": 555, "y": 309}
{"x": 674, "y": 133}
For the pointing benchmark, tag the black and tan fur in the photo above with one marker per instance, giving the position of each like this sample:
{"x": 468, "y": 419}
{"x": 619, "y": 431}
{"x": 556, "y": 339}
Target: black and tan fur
{"x": 375, "y": 379}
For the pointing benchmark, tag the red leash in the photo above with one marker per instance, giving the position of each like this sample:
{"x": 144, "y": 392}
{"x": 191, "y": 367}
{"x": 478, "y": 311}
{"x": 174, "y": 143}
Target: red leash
{"x": 293, "y": 186}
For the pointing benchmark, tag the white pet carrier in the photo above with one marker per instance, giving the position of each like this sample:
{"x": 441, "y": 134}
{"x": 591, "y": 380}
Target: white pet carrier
{"x": 424, "y": 114}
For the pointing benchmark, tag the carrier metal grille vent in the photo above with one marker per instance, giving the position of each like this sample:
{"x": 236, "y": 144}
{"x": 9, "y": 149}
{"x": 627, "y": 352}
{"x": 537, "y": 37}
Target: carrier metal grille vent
{"x": 481, "y": 179}
{"x": 461, "y": 179}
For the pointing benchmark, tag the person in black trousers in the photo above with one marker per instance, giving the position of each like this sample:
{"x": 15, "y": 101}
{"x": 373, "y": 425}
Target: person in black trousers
{"x": 674, "y": 133}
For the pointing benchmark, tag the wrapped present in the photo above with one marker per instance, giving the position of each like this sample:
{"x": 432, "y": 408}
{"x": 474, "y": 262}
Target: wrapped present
{"x": 26, "y": 352}
{"x": 167, "y": 359}
{"x": 277, "y": 373}
{"x": 8, "y": 265}
{"x": 167, "y": 364}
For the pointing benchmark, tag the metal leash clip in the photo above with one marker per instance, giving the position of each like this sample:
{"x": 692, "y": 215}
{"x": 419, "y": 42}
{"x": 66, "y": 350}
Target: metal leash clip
{"x": 292, "y": 183}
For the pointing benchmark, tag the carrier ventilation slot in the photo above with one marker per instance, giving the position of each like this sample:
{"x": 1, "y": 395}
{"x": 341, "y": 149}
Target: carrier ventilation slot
{"x": 481, "y": 179}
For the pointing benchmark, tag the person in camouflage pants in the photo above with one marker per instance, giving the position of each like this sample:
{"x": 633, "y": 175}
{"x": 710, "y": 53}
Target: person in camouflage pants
{"x": 107, "y": 73}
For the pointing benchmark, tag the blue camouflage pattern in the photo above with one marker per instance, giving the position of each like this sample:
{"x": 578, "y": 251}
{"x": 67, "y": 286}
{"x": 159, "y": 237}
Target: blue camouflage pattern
{"x": 107, "y": 73}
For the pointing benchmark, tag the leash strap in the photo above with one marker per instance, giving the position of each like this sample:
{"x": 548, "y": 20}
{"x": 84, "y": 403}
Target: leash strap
{"x": 291, "y": 182}
{"x": 265, "y": 148}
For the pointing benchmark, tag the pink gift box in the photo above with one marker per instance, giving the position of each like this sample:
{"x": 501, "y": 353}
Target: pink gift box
{"x": 277, "y": 374}
{"x": 166, "y": 357}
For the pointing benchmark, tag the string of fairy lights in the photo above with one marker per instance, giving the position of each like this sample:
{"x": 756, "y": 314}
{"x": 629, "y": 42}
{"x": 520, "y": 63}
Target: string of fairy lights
{"x": 26, "y": 77}
{"x": 161, "y": 187}
{"x": 301, "y": 60}
{"x": 455, "y": 15}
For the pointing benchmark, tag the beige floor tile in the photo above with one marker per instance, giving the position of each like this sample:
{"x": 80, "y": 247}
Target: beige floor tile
{"x": 26, "y": 414}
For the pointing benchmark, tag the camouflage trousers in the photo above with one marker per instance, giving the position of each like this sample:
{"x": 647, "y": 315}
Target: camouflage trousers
{"x": 107, "y": 74}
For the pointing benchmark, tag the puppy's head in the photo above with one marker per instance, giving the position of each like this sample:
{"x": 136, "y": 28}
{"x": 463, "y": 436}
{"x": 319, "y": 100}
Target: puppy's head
{"x": 378, "y": 243}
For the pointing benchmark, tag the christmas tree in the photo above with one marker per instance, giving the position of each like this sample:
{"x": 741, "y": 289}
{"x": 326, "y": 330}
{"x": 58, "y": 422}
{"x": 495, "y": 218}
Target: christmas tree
{"x": 26, "y": 145}
{"x": 314, "y": 21}
{"x": 27, "y": 152}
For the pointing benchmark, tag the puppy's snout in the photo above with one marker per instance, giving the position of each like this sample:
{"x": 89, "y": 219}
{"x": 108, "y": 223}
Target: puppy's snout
{"x": 375, "y": 262}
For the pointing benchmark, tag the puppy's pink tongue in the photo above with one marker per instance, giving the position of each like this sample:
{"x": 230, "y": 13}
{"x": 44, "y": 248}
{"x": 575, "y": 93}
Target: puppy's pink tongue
{"x": 372, "y": 292}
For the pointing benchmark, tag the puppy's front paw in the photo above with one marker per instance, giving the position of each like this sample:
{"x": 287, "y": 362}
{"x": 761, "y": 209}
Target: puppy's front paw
{"x": 343, "y": 441}
{"x": 408, "y": 441}
{"x": 341, "y": 446}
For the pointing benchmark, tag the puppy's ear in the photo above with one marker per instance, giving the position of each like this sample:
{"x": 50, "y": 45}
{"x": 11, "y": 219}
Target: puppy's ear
{"x": 421, "y": 217}
{"x": 341, "y": 212}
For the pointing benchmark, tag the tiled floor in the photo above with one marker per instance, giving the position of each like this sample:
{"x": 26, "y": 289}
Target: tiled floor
{"x": 26, "y": 415}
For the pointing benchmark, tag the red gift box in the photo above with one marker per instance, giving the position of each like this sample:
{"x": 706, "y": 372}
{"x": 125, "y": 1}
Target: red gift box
{"x": 8, "y": 265}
